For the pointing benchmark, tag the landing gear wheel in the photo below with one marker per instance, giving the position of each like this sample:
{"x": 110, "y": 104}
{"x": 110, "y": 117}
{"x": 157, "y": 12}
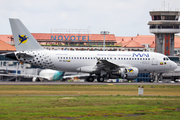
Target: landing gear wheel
{"x": 90, "y": 79}
{"x": 100, "y": 79}
{"x": 151, "y": 80}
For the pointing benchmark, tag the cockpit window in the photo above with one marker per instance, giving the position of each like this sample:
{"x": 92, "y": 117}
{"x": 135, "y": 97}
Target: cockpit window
{"x": 165, "y": 58}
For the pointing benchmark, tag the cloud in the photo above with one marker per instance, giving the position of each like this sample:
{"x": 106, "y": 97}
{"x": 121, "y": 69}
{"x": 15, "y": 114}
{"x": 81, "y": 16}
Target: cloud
{"x": 122, "y": 18}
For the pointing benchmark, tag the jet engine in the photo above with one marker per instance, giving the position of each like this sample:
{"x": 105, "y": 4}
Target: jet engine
{"x": 125, "y": 73}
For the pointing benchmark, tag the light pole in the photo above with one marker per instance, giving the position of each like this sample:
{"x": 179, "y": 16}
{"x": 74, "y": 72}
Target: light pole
{"x": 104, "y": 33}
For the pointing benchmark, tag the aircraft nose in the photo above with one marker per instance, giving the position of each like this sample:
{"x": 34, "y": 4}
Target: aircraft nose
{"x": 173, "y": 65}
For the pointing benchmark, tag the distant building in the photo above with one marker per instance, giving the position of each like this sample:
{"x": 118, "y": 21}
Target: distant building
{"x": 164, "y": 25}
{"x": 114, "y": 43}
{"x": 74, "y": 39}
{"x": 5, "y": 47}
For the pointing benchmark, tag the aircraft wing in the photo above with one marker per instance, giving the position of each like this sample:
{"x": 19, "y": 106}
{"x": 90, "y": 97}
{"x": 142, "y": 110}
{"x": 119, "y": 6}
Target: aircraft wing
{"x": 101, "y": 64}
{"x": 104, "y": 64}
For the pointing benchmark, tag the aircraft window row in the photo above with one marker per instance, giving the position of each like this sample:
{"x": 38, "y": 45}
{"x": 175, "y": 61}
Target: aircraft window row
{"x": 107, "y": 58}
{"x": 76, "y": 58}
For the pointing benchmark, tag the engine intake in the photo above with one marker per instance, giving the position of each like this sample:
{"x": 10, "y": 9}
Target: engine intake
{"x": 125, "y": 73}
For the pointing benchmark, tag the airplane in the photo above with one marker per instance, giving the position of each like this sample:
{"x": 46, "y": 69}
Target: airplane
{"x": 48, "y": 74}
{"x": 103, "y": 64}
{"x": 44, "y": 74}
{"x": 54, "y": 75}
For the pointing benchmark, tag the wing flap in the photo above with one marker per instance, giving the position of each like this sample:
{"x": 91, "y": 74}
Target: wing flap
{"x": 105, "y": 65}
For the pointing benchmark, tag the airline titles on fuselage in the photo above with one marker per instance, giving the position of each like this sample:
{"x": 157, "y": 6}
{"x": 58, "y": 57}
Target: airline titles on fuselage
{"x": 125, "y": 55}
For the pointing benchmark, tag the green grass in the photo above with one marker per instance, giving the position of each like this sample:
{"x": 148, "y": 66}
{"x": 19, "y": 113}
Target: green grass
{"x": 86, "y": 106}
{"x": 89, "y": 107}
{"x": 156, "y": 90}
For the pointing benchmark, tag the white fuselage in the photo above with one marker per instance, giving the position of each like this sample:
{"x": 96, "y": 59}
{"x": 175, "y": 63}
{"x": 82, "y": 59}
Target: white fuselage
{"x": 74, "y": 61}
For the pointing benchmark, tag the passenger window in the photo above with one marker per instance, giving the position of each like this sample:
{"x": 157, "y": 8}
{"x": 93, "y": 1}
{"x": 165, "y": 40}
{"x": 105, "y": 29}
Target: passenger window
{"x": 121, "y": 58}
{"x": 164, "y": 59}
{"x": 140, "y": 58}
{"x": 132, "y": 58}
{"x": 129, "y": 58}
{"x": 148, "y": 58}
{"x": 114, "y": 58}
{"x": 137, "y": 58}
{"x": 66, "y": 57}
{"x": 77, "y": 57}
{"x": 74, "y": 57}
{"x": 124, "y": 58}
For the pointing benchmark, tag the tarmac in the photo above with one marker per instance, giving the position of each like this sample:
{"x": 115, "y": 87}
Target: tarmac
{"x": 85, "y": 83}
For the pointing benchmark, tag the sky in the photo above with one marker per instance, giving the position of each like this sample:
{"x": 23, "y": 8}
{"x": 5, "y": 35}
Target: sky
{"x": 119, "y": 17}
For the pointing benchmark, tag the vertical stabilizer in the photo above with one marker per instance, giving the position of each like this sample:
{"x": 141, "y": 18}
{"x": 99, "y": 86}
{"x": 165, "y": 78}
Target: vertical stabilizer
{"x": 24, "y": 41}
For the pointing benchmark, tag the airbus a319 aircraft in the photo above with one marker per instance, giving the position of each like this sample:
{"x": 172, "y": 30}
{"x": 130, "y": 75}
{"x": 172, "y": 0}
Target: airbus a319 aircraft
{"x": 103, "y": 64}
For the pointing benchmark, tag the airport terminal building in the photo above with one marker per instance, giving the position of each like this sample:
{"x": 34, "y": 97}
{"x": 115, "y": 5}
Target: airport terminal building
{"x": 95, "y": 42}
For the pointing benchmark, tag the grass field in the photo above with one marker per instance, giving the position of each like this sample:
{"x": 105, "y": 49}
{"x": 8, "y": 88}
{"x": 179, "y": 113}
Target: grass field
{"x": 92, "y": 102}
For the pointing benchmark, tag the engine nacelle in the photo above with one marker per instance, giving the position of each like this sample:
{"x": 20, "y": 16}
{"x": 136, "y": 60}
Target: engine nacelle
{"x": 119, "y": 73}
{"x": 132, "y": 73}
{"x": 125, "y": 73}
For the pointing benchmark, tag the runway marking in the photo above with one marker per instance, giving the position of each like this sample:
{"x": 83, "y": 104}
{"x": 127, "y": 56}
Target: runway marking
{"x": 110, "y": 84}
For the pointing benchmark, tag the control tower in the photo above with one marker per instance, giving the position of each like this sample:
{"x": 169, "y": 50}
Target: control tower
{"x": 164, "y": 25}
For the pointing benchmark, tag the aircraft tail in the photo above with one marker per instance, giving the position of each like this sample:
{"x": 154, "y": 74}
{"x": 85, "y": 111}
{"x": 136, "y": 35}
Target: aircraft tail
{"x": 24, "y": 41}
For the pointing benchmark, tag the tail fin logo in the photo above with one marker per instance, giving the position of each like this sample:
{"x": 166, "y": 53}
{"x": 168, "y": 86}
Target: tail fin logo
{"x": 23, "y": 39}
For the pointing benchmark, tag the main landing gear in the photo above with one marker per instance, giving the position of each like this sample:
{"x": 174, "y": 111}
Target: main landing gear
{"x": 100, "y": 79}
{"x": 91, "y": 79}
